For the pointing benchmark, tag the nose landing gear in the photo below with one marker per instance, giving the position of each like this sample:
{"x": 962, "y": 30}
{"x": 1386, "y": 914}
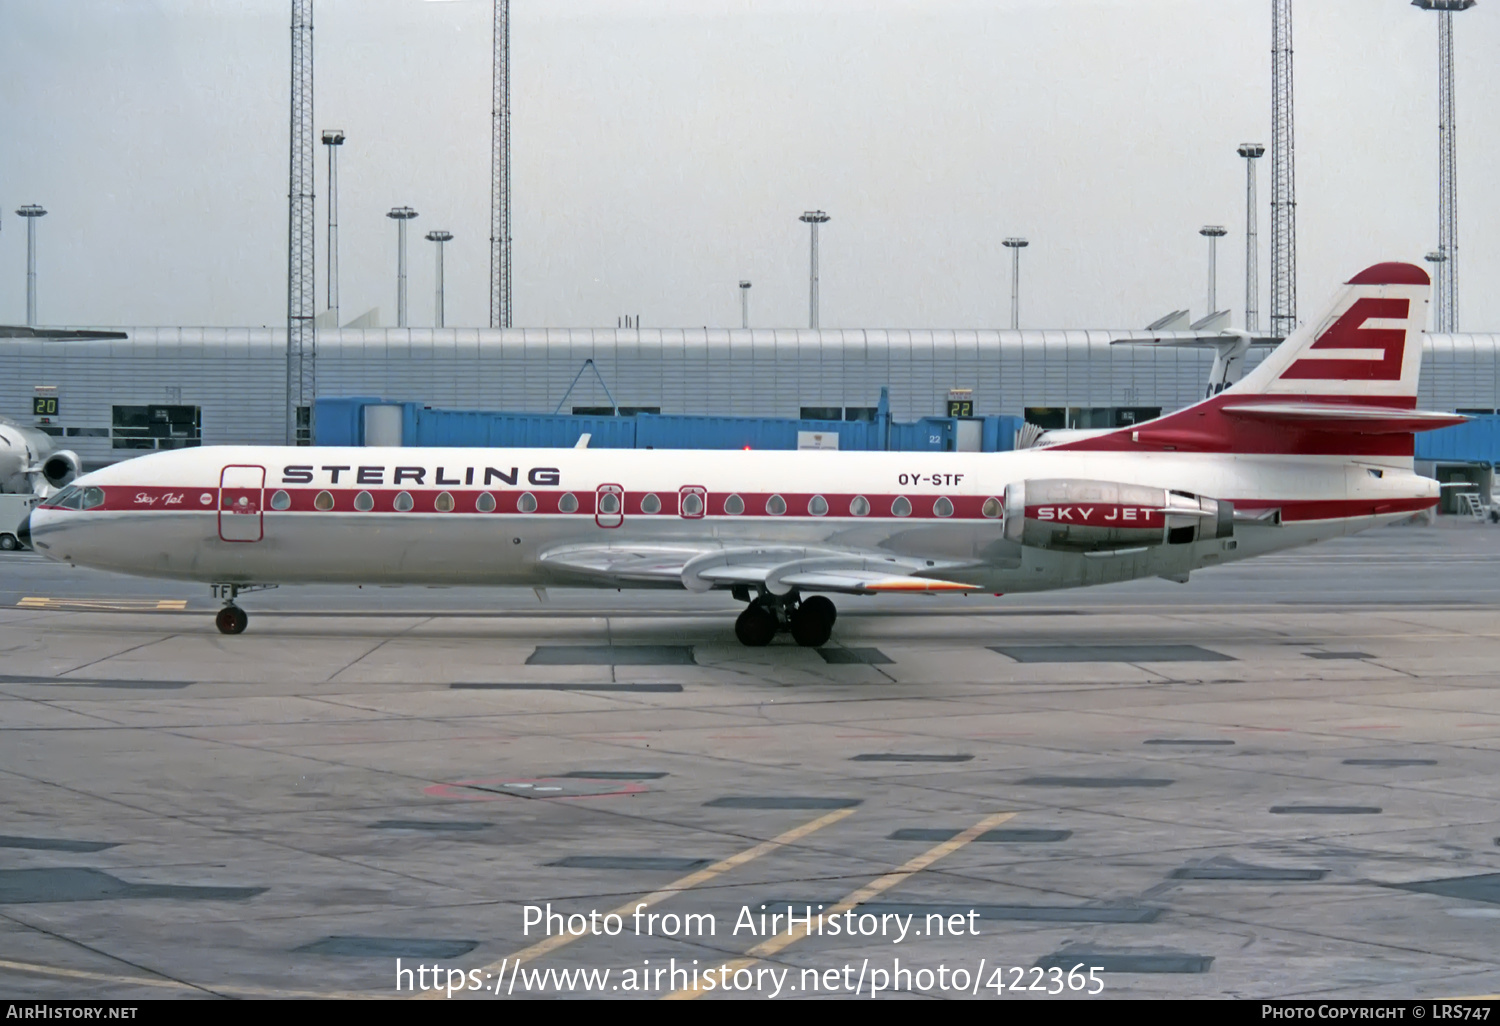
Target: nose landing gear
{"x": 232, "y": 619}
{"x": 810, "y": 622}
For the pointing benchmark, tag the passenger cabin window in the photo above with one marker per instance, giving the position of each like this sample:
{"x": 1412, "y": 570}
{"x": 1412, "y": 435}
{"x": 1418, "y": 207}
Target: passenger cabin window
{"x": 364, "y": 502}
{"x": 485, "y": 503}
{"x": 403, "y": 503}
{"x": 609, "y": 504}
{"x": 901, "y": 507}
{"x": 526, "y": 503}
{"x": 444, "y": 502}
{"x": 734, "y": 505}
{"x": 859, "y": 506}
{"x": 692, "y": 504}
{"x": 324, "y": 501}
{"x": 992, "y": 508}
{"x": 817, "y": 506}
{"x": 775, "y": 505}
{"x": 650, "y": 503}
{"x": 943, "y": 507}
{"x": 280, "y": 500}
{"x": 567, "y": 503}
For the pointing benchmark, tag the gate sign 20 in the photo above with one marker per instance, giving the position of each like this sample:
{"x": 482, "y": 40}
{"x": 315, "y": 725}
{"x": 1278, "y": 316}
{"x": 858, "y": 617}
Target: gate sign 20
{"x": 44, "y": 406}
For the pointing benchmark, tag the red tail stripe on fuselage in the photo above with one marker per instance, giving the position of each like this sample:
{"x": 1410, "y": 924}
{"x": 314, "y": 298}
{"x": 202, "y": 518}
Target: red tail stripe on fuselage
{"x": 1205, "y": 427}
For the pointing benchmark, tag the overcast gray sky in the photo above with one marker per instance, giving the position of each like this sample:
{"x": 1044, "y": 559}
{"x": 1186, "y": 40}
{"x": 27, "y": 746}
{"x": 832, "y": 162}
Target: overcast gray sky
{"x": 664, "y": 148}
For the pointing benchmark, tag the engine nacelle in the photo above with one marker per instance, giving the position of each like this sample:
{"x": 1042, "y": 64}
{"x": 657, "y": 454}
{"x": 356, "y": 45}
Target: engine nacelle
{"x": 61, "y": 467}
{"x": 1081, "y": 516}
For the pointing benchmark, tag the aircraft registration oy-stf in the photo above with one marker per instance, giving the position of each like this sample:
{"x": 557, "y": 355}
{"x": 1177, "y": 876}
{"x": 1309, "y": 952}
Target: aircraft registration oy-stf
{"x": 1316, "y": 442}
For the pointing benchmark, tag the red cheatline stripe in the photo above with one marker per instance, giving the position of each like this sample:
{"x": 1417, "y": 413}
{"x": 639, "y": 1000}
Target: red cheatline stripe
{"x": 548, "y": 501}
{"x": 120, "y": 498}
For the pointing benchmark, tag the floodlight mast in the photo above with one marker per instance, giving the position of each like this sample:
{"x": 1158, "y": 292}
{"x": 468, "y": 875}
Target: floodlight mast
{"x": 1251, "y": 152}
{"x": 1015, "y": 244}
{"x": 333, "y": 138}
{"x": 302, "y": 234}
{"x": 401, "y": 215}
{"x": 31, "y": 212}
{"x": 1283, "y": 175}
{"x": 439, "y": 237}
{"x": 1446, "y": 304}
{"x": 813, "y": 218}
{"x": 500, "y": 219}
{"x": 1213, "y": 232}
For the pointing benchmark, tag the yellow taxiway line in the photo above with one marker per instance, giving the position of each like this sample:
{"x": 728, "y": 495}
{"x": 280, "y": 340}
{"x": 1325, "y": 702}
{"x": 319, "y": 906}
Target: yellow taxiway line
{"x": 534, "y": 951}
{"x": 108, "y": 605}
{"x": 676, "y": 887}
{"x": 877, "y": 886}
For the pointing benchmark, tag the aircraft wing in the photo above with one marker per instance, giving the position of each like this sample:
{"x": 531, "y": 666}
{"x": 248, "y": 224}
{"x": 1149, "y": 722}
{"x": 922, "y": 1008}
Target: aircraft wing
{"x": 778, "y": 569}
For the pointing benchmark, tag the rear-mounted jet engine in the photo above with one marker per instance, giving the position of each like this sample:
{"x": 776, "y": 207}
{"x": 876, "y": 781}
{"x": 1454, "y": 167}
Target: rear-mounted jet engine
{"x": 1077, "y": 515}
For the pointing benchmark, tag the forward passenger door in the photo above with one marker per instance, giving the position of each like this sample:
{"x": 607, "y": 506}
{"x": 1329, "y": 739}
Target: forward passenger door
{"x": 242, "y": 492}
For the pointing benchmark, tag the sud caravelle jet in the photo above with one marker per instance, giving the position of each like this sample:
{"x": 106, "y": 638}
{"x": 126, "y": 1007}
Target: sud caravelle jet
{"x": 1316, "y": 442}
{"x": 30, "y": 464}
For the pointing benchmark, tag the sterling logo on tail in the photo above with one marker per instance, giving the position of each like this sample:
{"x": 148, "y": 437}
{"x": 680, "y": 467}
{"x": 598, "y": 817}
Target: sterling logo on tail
{"x": 1381, "y": 349}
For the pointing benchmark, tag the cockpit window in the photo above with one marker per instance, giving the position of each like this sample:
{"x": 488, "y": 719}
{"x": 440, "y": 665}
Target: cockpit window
{"x": 93, "y": 497}
{"x": 70, "y": 497}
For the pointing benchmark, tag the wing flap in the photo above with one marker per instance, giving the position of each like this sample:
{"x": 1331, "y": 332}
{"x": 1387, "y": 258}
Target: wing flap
{"x": 860, "y": 581}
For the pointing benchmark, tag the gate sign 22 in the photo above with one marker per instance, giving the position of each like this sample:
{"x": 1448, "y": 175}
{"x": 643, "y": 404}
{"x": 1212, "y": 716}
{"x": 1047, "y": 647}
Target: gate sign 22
{"x": 44, "y": 406}
{"x": 960, "y": 407}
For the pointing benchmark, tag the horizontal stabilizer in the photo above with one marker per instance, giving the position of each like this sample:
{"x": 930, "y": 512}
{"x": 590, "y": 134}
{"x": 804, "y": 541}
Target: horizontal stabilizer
{"x": 1171, "y": 322}
{"x": 1366, "y": 420}
{"x": 1194, "y": 339}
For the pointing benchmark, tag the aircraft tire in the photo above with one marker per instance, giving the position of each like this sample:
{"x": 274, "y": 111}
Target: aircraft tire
{"x": 810, "y": 625}
{"x": 231, "y": 620}
{"x": 756, "y": 626}
{"x": 8, "y": 543}
{"x": 824, "y": 607}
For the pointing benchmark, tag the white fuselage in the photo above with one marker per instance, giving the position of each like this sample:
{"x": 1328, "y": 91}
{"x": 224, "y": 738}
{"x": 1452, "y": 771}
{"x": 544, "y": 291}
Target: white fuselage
{"x": 420, "y": 516}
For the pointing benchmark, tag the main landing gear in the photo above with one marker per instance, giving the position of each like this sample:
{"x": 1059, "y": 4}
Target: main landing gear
{"x": 810, "y": 621}
{"x": 232, "y": 619}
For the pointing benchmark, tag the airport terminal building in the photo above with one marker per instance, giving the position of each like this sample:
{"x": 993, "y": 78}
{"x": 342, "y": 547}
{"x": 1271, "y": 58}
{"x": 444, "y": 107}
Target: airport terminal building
{"x": 162, "y": 388}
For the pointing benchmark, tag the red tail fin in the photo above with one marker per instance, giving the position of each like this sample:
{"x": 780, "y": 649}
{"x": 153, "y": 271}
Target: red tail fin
{"x": 1344, "y": 385}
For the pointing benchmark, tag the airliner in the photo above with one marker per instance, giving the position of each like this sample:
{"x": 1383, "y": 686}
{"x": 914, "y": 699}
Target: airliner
{"x": 1314, "y": 443}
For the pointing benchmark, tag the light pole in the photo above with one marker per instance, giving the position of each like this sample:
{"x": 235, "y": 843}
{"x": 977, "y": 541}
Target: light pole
{"x": 1213, "y": 232}
{"x": 31, "y": 212}
{"x": 813, "y": 218}
{"x": 1438, "y": 259}
{"x": 333, "y": 138}
{"x": 1015, "y": 245}
{"x": 744, "y": 304}
{"x": 1447, "y": 269}
{"x": 401, "y": 215}
{"x": 1251, "y": 152}
{"x": 439, "y": 237}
